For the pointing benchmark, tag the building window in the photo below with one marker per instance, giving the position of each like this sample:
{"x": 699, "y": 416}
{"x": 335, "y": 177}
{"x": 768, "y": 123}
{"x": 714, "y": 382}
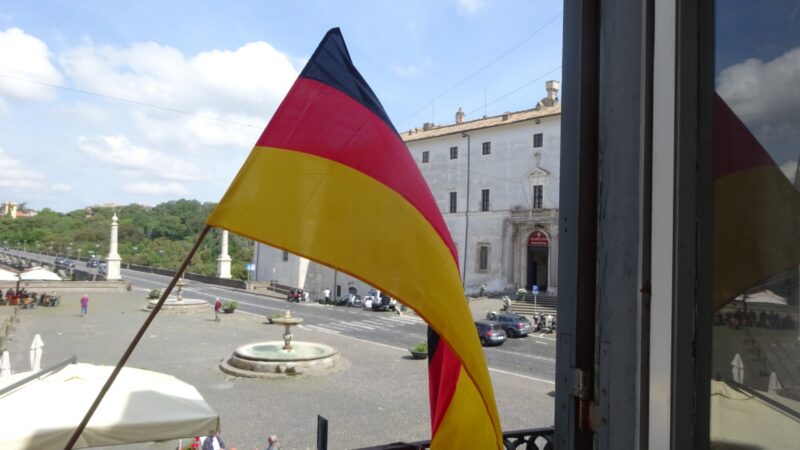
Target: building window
{"x": 487, "y": 148}
{"x": 483, "y": 258}
{"x": 538, "y": 191}
{"x": 485, "y": 200}
{"x": 285, "y": 256}
{"x": 426, "y": 156}
{"x": 538, "y": 138}
{"x": 453, "y": 152}
{"x": 453, "y": 202}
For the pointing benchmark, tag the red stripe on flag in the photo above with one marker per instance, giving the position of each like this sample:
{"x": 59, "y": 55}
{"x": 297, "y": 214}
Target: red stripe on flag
{"x": 317, "y": 119}
{"x": 735, "y": 148}
{"x": 444, "y": 368}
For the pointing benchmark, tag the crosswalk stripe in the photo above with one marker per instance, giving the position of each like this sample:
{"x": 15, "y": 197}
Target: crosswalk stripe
{"x": 332, "y": 325}
{"x": 360, "y": 325}
{"x": 381, "y": 324}
{"x": 402, "y": 320}
{"x": 324, "y": 330}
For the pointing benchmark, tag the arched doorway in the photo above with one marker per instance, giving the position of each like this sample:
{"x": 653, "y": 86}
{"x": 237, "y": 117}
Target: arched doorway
{"x": 538, "y": 255}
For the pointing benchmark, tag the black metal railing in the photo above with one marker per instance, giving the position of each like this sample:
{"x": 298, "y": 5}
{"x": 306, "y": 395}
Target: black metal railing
{"x": 529, "y": 439}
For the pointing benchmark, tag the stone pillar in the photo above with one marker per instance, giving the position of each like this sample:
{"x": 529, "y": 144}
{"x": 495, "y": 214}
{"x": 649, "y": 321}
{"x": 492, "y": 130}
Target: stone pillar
{"x": 224, "y": 260}
{"x": 113, "y": 260}
{"x": 13, "y": 210}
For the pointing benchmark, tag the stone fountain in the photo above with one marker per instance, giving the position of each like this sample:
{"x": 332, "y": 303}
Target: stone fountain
{"x": 276, "y": 359}
{"x": 179, "y": 304}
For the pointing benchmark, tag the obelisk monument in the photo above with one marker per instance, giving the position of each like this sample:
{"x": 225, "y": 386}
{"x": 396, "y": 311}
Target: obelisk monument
{"x": 224, "y": 260}
{"x": 113, "y": 260}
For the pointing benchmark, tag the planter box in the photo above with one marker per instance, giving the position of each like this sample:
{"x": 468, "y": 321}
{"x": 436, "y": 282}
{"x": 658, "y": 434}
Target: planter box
{"x": 228, "y": 310}
{"x": 419, "y": 355}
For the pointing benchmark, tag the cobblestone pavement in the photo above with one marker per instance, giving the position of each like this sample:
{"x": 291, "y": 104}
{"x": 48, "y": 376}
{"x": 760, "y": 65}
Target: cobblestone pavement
{"x": 377, "y": 396}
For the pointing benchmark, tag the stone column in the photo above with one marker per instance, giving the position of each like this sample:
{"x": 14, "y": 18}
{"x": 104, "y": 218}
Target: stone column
{"x": 224, "y": 260}
{"x": 113, "y": 260}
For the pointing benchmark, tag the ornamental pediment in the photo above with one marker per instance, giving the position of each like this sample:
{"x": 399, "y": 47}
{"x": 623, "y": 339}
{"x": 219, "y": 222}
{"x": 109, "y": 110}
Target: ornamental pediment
{"x": 538, "y": 172}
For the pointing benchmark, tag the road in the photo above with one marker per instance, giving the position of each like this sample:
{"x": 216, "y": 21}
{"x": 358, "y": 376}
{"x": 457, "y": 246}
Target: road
{"x": 531, "y": 357}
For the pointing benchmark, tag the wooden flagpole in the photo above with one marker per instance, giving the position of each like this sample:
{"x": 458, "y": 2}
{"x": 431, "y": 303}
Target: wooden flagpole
{"x": 136, "y": 340}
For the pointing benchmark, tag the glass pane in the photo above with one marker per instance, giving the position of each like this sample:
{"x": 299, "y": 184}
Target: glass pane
{"x": 755, "y": 390}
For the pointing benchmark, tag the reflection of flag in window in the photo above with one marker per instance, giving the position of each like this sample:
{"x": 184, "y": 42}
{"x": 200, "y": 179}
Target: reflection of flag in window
{"x": 331, "y": 180}
{"x": 756, "y": 211}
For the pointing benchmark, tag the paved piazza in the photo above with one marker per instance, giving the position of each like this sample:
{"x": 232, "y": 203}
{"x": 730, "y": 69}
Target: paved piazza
{"x": 377, "y": 396}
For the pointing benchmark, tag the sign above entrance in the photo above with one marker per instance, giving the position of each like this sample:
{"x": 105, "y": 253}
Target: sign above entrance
{"x": 538, "y": 239}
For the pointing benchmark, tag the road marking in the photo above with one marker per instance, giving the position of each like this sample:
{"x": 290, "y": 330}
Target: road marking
{"x": 359, "y": 325}
{"x": 528, "y": 377}
{"x": 321, "y": 330}
{"x": 525, "y": 355}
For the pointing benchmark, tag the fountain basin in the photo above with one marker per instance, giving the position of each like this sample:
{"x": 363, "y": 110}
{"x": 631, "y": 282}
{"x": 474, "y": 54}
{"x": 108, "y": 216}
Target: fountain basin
{"x": 269, "y": 360}
{"x": 172, "y": 305}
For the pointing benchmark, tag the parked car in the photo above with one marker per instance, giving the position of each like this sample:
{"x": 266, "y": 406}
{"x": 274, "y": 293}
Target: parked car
{"x": 69, "y": 263}
{"x": 92, "y": 263}
{"x": 384, "y": 303}
{"x": 349, "y": 300}
{"x": 490, "y": 333}
{"x": 59, "y": 261}
{"x": 514, "y": 325}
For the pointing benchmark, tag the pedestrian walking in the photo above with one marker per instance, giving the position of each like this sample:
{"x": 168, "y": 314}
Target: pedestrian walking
{"x": 217, "y": 307}
{"x": 213, "y": 442}
{"x": 327, "y": 294}
{"x": 273, "y": 443}
{"x": 84, "y": 305}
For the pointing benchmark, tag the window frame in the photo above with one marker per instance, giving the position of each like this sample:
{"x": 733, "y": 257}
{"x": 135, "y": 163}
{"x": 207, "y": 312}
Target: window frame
{"x": 454, "y": 152}
{"x": 538, "y": 140}
{"x": 486, "y": 148}
{"x": 482, "y": 265}
{"x": 538, "y": 200}
{"x": 285, "y": 256}
{"x": 486, "y": 200}
{"x": 426, "y": 156}
{"x": 453, "y": 197}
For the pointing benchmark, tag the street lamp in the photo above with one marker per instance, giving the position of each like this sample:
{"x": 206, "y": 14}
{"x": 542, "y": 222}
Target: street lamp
{"x": 161, "y": 258}
{"x": 79, "y": 253}
{"x": 133, "y": 258}
{"x": 37, "y": 246}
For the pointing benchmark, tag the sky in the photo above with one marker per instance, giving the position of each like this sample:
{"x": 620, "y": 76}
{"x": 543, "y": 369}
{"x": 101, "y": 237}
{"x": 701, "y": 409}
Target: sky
{"x": 146, "y": 102}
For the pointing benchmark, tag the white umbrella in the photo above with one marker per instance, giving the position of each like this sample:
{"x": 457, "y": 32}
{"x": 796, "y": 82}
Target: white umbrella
{"x": 5, "y": 365}
{"x": 36, "y": 353}
{"x": 141, "y": 406}
{"x": 774, "y": 384}
{"x": 738, "y": 369}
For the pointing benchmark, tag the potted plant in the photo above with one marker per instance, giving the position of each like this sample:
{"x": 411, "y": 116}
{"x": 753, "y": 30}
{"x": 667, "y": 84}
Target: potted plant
{"x": 154, "y": 294}
{"x": 419, "y": 350}
{"x": 230, "y": 306}
{"x": 274, "y": 315}
{"x": 521, "y": 293}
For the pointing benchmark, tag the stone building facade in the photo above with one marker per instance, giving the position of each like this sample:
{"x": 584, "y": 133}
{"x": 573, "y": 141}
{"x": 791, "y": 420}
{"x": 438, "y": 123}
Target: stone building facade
{"x": 496, "y": 181}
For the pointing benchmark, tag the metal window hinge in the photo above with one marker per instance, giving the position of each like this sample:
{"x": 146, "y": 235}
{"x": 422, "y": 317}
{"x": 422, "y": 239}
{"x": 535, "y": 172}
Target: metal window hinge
{"x": 583, "y": 392}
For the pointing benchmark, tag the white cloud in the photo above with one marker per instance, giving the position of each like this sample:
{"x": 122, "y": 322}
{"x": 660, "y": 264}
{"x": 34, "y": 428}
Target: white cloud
{"x": 471, "y": 6}
{"x": 239, "y": 88}
{"x": 144, "y": 188}
{"x": 24, "y": 181}
{"x": 766, "y": 96}
{"x": 26, "y": 57}
{"x": 133, "y": 160}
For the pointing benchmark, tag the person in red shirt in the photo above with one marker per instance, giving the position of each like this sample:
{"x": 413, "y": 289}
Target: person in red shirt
{"x": 217, "y": 307}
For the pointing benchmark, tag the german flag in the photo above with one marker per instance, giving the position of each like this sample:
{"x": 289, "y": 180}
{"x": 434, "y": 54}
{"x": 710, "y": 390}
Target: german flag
{"x": 331, "y": 180}
{"x": 756, "y": 211}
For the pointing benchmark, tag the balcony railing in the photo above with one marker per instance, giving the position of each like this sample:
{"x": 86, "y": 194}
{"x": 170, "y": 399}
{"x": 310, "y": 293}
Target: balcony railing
{"x": 530, "y": 439}
{"x": 524, "y": 215}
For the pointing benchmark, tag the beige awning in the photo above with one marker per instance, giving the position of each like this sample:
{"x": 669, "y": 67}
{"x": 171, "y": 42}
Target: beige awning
{"x": 740, "y": 419}
{"x": 141, "y": 406}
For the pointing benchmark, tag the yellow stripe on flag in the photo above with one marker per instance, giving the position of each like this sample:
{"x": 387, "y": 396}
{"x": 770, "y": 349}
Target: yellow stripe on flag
{"x": 756, "y": 230}
{"x": 340, "y": 217}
